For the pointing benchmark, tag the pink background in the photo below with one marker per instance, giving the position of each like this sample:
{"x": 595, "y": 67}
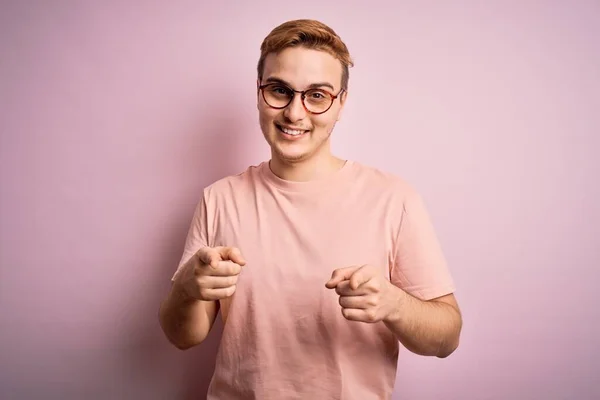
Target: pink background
{"x": 114, "y": 115}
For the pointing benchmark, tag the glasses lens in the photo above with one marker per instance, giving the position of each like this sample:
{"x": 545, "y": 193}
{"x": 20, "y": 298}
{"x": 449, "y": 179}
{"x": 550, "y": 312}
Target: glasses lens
{"x": 277, "y": 96}
{"x": 317, "y": 101}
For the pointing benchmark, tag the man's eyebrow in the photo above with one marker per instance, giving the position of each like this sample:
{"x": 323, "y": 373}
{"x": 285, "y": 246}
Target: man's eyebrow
{"x": 273, "y": 79}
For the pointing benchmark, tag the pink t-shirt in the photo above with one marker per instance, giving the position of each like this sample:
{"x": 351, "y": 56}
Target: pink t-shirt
{"x": 284, "y": 334}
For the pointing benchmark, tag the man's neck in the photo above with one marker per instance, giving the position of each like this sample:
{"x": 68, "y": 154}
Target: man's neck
{"x": 306, "y": 170}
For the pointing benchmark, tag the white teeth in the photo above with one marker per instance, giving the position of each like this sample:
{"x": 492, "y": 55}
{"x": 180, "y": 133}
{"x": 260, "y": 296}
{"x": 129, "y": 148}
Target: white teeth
{"x": 291, "y": 131}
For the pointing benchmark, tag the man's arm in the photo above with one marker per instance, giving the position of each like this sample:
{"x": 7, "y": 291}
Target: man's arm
{"x": 425, "y": 325}
{"x": 186, "y": 321}
{"x": 188, "y": 313}
{"x": 428, "y": 328}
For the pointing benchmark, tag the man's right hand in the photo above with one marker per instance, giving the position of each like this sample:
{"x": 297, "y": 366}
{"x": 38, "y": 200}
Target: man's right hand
{"x": 212, "y": 273}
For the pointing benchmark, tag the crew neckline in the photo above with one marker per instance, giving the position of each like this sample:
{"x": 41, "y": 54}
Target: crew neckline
{"x": 303, "y": 186}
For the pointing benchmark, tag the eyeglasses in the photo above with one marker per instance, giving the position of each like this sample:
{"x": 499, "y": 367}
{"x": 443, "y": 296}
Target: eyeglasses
{"x": 315, "y": 101}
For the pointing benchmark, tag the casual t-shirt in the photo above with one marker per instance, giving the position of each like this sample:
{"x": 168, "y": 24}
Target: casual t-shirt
{"x": 284, "y": 333}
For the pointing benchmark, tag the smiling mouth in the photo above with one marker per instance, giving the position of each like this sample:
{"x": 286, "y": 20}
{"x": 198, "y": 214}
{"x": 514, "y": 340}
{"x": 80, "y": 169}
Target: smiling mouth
{"x": 291, "y": 132}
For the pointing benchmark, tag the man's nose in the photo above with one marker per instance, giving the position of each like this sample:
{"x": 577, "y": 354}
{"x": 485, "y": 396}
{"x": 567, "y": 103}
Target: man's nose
{"x": 295, "y": 111}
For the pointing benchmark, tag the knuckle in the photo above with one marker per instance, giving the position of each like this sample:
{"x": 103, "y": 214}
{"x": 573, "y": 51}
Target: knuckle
{"x": 202, "y": 264}
{"x": 230, "y": 290}
{"x": 204, "y": 294}
{"x": 371, "y": 315}
{"x": 200, "y": 281}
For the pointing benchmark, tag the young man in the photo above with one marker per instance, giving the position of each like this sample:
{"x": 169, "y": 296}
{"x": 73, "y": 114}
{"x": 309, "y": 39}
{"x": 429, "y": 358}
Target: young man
{"x": 320, "y": 266}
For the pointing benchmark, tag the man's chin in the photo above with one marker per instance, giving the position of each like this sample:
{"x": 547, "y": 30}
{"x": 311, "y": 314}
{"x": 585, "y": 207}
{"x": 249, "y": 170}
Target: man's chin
{"x": 289, "y": 156}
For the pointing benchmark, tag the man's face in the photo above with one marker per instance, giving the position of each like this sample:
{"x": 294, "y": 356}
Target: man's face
{"x": 300, "y": 69}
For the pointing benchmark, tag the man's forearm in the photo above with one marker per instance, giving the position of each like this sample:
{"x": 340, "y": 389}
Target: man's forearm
{"x": 429, "y": 328}
{"x": 186, "y": 322}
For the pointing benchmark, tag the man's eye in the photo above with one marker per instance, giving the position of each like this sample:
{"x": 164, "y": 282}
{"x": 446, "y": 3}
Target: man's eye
{"x": 280, "y": 90}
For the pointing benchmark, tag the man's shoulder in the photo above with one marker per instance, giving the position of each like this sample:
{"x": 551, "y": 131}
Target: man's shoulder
{"x": 236, "y": 182}
{"x": 380, "y": 179}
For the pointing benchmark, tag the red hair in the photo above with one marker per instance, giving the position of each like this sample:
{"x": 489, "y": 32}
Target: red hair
{"x": 310, "y": 34}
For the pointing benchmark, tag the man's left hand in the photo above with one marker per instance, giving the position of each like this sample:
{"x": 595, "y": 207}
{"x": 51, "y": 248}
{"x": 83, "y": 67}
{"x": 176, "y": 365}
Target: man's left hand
{"x": 365, "y": 294}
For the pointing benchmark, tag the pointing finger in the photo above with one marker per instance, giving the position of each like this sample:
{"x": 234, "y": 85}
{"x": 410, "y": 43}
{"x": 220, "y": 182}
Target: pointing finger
{"x": 340, "y": 275}
{"x": 226, "y": 268}
{"x": 232, "y": 253}
{"x": 222, "y": 268}
{"x": 209, "y": 257}
{"x": 344, "y": 289}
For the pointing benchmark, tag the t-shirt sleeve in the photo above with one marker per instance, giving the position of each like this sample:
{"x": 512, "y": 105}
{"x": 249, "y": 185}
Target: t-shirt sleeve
{"x": 197, "y": 236}
{"x": 419, "y": 265}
